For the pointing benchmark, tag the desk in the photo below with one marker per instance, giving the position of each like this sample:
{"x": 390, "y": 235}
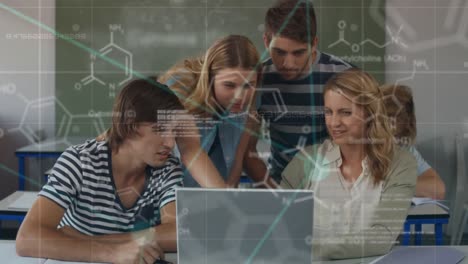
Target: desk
{"x": 417, "y": 215}
{"x": 9, "y": 256}
{"x": 8, "y": 253}
{"x": 16, "y": 213}
{"x": 48, "y": 149}
{"x": 171, "y": 257}
{"x": 372, "y": 260}
{"x": 425, "y": 214}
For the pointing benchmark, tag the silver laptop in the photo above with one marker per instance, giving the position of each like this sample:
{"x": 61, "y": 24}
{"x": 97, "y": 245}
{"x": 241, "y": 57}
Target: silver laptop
{"x": 244, "y": 226}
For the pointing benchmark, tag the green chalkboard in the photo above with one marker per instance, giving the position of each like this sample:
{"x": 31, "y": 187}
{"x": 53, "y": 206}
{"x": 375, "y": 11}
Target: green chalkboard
{"x": 111, "y": 41}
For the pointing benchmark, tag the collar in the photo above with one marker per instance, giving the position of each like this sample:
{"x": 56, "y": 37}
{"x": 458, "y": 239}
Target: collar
{"x": 332, "y": 154}
{"x": 317, "y": 57}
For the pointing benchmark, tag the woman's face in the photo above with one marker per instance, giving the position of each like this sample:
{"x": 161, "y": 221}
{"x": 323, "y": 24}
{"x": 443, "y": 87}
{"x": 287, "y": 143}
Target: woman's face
{"x": 234, "y": 88}
{"x": 345, "y": 120}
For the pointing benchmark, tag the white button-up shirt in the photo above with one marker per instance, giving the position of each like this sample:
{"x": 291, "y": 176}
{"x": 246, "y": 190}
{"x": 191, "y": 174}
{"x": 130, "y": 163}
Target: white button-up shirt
{"x": 341, "y": 207}
{"x": 352, "y": 219}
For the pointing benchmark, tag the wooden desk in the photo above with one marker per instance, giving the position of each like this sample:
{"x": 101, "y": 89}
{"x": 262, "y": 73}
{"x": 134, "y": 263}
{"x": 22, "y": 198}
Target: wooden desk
{"x": 52, "y": 148}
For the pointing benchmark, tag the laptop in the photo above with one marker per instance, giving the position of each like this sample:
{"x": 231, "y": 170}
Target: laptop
{"x": 244, "y": 226}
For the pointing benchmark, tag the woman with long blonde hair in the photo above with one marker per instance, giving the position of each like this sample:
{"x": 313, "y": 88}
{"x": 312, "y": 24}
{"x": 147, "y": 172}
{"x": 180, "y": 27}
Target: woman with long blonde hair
{"x": 363, "y": 183}
{"x": 218, "y": 88}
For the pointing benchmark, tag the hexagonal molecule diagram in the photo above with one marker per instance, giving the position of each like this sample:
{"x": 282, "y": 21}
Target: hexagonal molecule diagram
{"x": 111, "y": 56}
{"x": 67, "y": 128}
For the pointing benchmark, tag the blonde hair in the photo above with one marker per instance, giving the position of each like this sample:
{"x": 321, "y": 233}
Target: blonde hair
{"x": 399, "y": 103}
{"x": 192, "y": 79}
{"x": 363, "y": 90}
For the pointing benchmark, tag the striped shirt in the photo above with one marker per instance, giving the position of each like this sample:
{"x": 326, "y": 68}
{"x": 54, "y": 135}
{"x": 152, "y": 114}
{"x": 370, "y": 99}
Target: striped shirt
{"x": 293, "y": 109}
{"x": 82, "y": 183}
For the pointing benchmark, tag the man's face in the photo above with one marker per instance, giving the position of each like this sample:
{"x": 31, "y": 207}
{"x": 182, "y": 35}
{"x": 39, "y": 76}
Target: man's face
{"x": 153, "y": 142}
{"x": 291, "y": 58}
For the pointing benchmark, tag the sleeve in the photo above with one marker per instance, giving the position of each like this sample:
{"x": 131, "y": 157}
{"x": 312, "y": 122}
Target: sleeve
{"x": 422, "y": 164}
{"x": 296, "y": 173}
{"x": 387, "y": 220}
{"x": 171, "y": 179}
{"x": 64, "y": 180}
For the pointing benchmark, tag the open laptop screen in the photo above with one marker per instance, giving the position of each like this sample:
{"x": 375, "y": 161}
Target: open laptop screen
{"x": 244, "y": 225}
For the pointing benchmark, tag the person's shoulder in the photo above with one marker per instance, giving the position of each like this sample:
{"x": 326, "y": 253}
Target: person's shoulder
{"x": 316, "y": 153}
{"x": 268, "y": 67}
{"x": 403, "y": 167}
{"x": 170, "y": 172}
{"x": 402, "y": 155}
{"x": 319, "y": 148}
{"x": 172, "y": 161}
{"x": 303, "y": 165}
{"x": 172, "y": 165}
{"x": 91, "y": 147}
{"x": 268, "y": 61}
{"x": 77, "y": 158}
{"x": 412, "y": 149}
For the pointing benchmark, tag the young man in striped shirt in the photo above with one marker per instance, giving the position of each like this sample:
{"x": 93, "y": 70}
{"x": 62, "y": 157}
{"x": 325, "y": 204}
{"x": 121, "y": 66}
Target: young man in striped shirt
{"x": 290, "y": 99}
{"x": 112, "y": 201}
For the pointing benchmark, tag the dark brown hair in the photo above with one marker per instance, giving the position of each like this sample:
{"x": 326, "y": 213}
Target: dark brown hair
{"x": 292, "y": 19}
{"x": 400, "y": 108}
{"x": 138, "y": 102}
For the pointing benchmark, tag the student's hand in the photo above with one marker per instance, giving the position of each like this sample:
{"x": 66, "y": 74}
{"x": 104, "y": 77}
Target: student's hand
{"x": 135, "y": 253}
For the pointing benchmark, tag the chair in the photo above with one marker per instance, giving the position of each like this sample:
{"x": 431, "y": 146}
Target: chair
{"x": 459, "y": 209}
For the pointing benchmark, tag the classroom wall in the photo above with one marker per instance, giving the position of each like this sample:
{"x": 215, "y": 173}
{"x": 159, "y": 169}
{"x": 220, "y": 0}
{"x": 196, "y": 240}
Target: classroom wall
{"x": 34, "y": 94}
{"x": 140, "y": 38}
{"x": 429, "y": 28}
{"x": 435, "y": 32}
{"x": 27, "y": 85}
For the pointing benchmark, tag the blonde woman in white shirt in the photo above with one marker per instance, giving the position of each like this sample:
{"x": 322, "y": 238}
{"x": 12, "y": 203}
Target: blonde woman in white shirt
{"x": 363, "y": 182}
